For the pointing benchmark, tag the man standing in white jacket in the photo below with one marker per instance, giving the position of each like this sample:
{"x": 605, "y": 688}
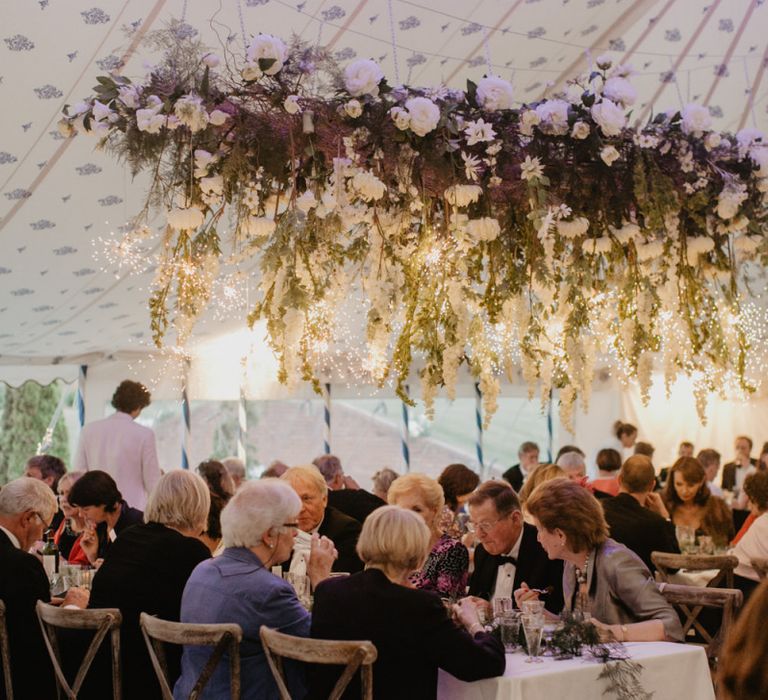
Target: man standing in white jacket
{"x": 121, "y": 447}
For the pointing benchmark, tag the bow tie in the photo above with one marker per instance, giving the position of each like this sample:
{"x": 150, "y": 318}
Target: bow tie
{"x": 501, "y": 559}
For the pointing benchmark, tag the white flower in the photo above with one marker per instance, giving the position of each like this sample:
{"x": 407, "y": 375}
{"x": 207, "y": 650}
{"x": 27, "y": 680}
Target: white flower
{"x": 573, "y": 229}
{"x": 478, "y": 131}
{"x": 306, "y": 201}
{"x": 695, "y": 119}
{"x": 729, "y": 200}
{"x": 424, "y": 114}
{"x": 190, "y": 111}
{"x": 368, "y": 186}
{"x": 485, "y": 229}
{"x": 531, "y": 169}
{"x": 462, "y": 195}
{"x": 362, "y": 77}
{"x": 218, "y": 117}
{"x": 401, "y": 118}
{"x": 746, "y": 137}
{"x": 251, "y": 72}
{"x": 185, "y": 218}
{"x": 604, "y": 61}
{"x": 494, "y": 93}
{"x": 646, "y": 141}
{"x": 211, "y": 60}
{"x": 291, "y": 104}
{"x": 609, "y": 117}
{"x": 129, "y": 96}
{"x": 620, "y": 90}
{"x": 712, "y": 140}
{"x": 609, "y": 154}
{"x": 650, "y": 250}
{"x": 759, "y": 156}
{"x": 528, "y": 119}
{"x": 258, "y": 226}
{"x": 699, "y": 245}
{"x": 472, "y": 166}
{"x": 203, "y": 158}
{"x": 599, "y": 246}
{"x": 554, "y": 116}
{"x": 353, "y": 108}
{"x": 580, "y": 130}
{"x": 100, "y": 111}
{"x": 574, "y": 93}
{"x": 266, "y": 47}
{"x": 626, "y": 233}
{"x": 149, "y": 120}
{"x": 212, "y": 185}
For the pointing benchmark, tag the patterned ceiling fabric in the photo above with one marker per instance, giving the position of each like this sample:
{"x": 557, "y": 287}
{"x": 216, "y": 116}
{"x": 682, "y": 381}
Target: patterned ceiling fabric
{"x": 60, "y": 298}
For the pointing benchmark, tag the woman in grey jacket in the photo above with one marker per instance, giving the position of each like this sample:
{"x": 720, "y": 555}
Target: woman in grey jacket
{"x": 601, "y": 576}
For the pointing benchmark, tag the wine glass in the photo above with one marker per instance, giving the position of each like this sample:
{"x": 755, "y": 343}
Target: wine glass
{"x": 533, "y": 627}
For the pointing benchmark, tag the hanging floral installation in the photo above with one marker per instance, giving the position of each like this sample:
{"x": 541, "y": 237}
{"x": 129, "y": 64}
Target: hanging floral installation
{"x": 531, "y": 240}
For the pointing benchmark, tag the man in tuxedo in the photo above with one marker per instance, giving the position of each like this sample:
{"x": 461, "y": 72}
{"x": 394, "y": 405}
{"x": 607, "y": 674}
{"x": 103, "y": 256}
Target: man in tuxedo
{"x": 528, "y": 454}
{"x": 734, "y": 473}
{"x": 344, "y": 493}
{"x": 637, "y": 515}
{"x": 26, "y": 509}
{"x": 508, "y": 552}
{"x": 316, "y": 516}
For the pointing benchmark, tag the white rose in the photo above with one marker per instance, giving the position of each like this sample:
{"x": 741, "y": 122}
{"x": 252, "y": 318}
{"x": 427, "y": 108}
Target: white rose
{"x": 368, "y": 186}
{"x": 401, "y": 118}
{"x": 573, "y": 93}
{"x": 211, "y": 60}
{"x": 528, "y": 119}
{"x": 212, "y": 185}
{"x": 362, "y": 77}
{"x": 291, "y": 104}
{"x": 759, "y": 156}
{"x": 494, "y": 93}
{"x": 554, "y": 116}
{"x": 620, "y": 90}
{"x": 580, "y": 130}
{"x": 218, "y": 117}
{"x": 573, "y": 229}
{"x": 185, "y": 218}
{"x": 609, "y": 117}
{"x": 424, "y": 115}
{"x": 149, "y": 120}
{"x": 463, "y": 195}
{"x": 353, "y": 108}
{"x": 746, "y": 137}
{"x": 712, "y": 140}
{"x": 609, "y": 154}
{"x": 485, "y": 229}
{"x": 266, "y": 46}
{"x": 695, "y": 119}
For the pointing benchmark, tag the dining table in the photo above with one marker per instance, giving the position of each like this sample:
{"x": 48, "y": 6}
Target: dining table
{"x": 669, "y": 672}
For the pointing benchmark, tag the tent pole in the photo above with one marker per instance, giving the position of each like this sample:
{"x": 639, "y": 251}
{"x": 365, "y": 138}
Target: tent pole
{"x": 186, "y": 424}
{"x": 404, "y": 434}
{"x": 327, "y": 419}
{"x": 81, "y": 377}
{"x": 479, "y": 423}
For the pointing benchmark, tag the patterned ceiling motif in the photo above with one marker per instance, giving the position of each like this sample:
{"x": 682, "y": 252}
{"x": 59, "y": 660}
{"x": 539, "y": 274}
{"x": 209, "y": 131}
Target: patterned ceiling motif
{"x": 59, "y": 298}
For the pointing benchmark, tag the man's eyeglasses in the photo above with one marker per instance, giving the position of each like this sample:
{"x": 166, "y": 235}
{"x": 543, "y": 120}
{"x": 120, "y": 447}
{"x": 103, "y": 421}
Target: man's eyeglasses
{"x": 46, "y": 525}
{"x": 484, "y": 527}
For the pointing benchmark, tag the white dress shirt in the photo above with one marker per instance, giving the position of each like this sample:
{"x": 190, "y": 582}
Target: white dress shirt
{"x": 753, "y": 545}
{"x": 126, "y": 451}
{"x": 505, "y": 576}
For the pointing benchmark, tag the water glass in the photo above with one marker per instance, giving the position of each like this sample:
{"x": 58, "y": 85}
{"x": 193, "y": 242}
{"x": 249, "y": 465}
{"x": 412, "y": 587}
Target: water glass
{"x": 501, "y": 606}
{"x": 509, "y": 627}
{"x": 706, "y": 545}
{"x": 532, "y": 607}
{"x": 84, "y": 577}
{"x": 533, "y": 627}
{"x": 300, "y": 583}
{"x": 686, "y": 538}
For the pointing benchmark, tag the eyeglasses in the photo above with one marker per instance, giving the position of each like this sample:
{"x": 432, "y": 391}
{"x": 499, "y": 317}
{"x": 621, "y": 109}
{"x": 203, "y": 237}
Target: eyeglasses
{"x": 46, "y": 525}
{"x": 484, "y": 527}
{"x": 295, "y": 526}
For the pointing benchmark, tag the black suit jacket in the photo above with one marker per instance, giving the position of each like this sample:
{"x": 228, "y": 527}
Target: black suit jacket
{"x": 411, "y": 630}
{"x": 729, "y": 474}
{"x": 22, "y": 583}
{"x": 344, "y": 532}
{"x": 356, "y": 503}
{"x": 128, "y": 517}
{"x": 533, "y": 566}
{"x": 638, "y": 528}
{"x": 514, "y": 475}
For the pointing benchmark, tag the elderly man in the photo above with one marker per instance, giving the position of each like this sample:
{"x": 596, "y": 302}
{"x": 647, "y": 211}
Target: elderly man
{"x": 236, "y": 468}
{"x": 317, "y": 516}
{"x": 637, "y": 516}
{"x": 574, "y": 465}
{"x": 528, "y": 454}
{"x": 26, "y": 509}
{"x": 508, "y": 552}
{"x": 344, "y": 494}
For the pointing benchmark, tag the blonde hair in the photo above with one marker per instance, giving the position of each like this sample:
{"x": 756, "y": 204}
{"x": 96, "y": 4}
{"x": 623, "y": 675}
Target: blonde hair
{"x": 394, "y": 540}
{"x": 306, "y": 474}
{"x": 69, "y": 478}
{"x": 425, "y": 486}
{"x": 180, "y": 499}
{"x": 542, "y": 473}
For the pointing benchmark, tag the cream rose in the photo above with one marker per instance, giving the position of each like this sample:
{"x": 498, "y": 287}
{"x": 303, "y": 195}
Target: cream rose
{"x": 695, "y": 119}
{"x": 609, "y": 117}
{"x": 494, "y": 93}
{"x": 424, "y": 115}
{"x": 362, "y": 77}
{"x": 620, "y": 90}
{"x": 266, "y": 46}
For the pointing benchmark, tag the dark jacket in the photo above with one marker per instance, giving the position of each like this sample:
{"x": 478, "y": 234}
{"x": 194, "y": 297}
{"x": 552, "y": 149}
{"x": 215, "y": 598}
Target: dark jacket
{"x": 729, "y": 474}
{"x": 128, "y": 516}
{"x": 356, "y": 503}
{"x": 343, "y": 531}
{"x": 514, "y": 475}
{"x": 638, "y": 528}
{"x": 411, "y": 630}
{"x": 22, "y": 583}
{"x": 145, "y": 570}
{"x": 533, "y": 566}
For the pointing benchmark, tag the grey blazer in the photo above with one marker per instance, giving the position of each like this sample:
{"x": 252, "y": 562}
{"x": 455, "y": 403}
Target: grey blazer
{"x": 622, "y": 590}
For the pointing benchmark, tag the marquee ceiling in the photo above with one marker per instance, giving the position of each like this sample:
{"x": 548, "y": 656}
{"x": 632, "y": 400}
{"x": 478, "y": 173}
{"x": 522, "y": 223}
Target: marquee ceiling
{"x": 59, "y": 298}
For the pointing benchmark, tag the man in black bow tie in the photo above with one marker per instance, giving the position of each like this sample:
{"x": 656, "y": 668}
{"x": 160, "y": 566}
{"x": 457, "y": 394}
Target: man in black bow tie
{"x": 508, "y": 552}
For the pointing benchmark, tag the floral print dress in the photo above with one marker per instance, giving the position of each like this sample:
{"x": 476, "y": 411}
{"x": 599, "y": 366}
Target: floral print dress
{"x": 446, "y": 570}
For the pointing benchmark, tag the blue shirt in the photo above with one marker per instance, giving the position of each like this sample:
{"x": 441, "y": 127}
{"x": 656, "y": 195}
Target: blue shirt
{"x": 235, "y": 587}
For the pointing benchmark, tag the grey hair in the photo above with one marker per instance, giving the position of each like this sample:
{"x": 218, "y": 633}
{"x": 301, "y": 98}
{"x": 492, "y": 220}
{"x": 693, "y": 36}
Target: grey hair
{"x": 571, "y": 460}
{"x": 235, "y": 466}
{"x": 23, "y": 494}
{"x": 329, "y": 466}
{"x": 180, "y": 499}
{"x": 257, "y": 506}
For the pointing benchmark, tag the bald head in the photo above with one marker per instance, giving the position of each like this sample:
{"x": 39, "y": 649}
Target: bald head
{"x": 637, "y": 475}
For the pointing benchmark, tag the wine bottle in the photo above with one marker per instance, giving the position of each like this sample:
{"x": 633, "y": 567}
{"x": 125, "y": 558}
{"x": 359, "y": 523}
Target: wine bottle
{"x": 50, "y": 553}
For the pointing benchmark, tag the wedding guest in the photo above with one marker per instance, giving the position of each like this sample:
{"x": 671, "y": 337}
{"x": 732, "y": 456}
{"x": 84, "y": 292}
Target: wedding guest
{"x": 67, "y": 535}
{"x": 637, "y": 517}
{"x": 121, "y": 447}
{"x": 259, "y": 525}
{"x": 382, "y": 480}
{"x": 105, "y": 512}
{"x": 146, "y": 569}
{"x": 608, "y": 465}
{"x": 626, "y": 436}
{"x": 26, "y": 509}
{"x": 753, "y": 543}
{"x": 49, "y": 469}
{"x": 458, "y": 481}
{"x": 645, "y": 448}
{"x": 600, "y": 576}
{"x": 410, "y": 628}
{"x": 743, "y": 660}
{"x": 691, "y": 504}
{"x": 275, "y": 470}
{"x": 446, "y": 569}
{"x": 317, "y": 516}
{"x": 735, "y": 472}
{"x": 542, "y": 473}
{"x": 684, "y": 449}
{"x": 574, "y": 465}
{"x": 222, "y": 488}
{"x": 344, "y": 493}
{"x": 528, "y": 454}
{"x": 508, "y": 553}
{"x": 710, "y": 460}
{"x": 569, "y": 448}
{"x": 236, "y": 468}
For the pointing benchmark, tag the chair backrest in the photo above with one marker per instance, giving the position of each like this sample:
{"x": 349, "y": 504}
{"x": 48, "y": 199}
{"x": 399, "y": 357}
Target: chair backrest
{"x": 353, "y": 655}
{"x": 689, "y": 601}
{"x": 222, "y": 637}
{"x": 760, "y": 566}
{"x": 5, "y": 652}
{"x": 104, "y": 621}
{"x": 723, "y": 563}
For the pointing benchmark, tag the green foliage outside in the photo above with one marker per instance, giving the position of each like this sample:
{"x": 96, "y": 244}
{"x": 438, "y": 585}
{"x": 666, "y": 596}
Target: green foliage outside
{"x": 225, "y": 436}
{"x": 26, "y": 413}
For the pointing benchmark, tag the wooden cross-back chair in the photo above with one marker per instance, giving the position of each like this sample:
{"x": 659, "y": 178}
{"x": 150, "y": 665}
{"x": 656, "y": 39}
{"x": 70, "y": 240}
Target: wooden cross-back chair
{"x": 353, "y": 655}
{"x": 760, "y": 566}
{"x": 103, "y": 622}
{"x": 5, "y": 652}
{"x": 222, "y": 637}
{"x": 723, "y": 563}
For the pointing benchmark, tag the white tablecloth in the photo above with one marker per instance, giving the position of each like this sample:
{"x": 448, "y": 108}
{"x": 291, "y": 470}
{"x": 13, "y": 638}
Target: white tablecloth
{"x": 670, "y": 671}
{"x": 694, "y": 578}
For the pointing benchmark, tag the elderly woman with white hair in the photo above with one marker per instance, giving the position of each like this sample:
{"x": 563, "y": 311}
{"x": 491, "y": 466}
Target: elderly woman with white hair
{"x": 145, "y": 570}
{"x": 411, "y": 629}
{"x": 258, "y": 526}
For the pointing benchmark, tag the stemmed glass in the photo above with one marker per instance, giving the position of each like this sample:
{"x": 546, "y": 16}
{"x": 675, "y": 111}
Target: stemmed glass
{"x": 533, "y": 627}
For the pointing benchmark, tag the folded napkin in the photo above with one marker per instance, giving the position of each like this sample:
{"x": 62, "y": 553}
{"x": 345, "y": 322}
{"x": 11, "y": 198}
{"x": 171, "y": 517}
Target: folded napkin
{"x": 300, "y": 559}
